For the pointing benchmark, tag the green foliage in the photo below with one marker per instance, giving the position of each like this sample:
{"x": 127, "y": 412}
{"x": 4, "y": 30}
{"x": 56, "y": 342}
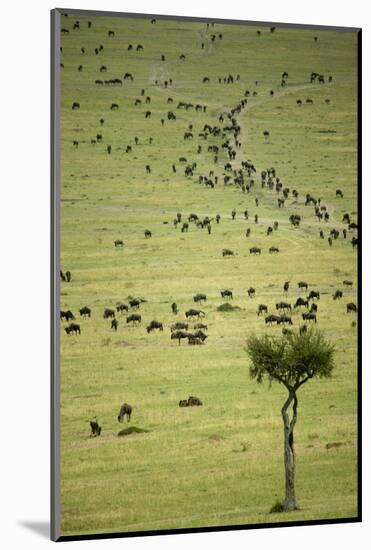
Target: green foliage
{"x": 277, "y": 508}
{"x": 290, "y": 361}
{"x": 227, "y": 308}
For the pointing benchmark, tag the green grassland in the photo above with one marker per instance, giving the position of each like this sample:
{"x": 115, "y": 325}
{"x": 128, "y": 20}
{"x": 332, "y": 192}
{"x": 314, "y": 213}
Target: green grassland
{"x": 222, "y": 463}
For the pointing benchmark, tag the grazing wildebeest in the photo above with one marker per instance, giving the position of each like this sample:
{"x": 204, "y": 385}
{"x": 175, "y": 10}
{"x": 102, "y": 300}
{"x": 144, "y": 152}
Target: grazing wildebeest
{"x": 67, "y": 315}
{"x": 200, "y": 326}
{"x": 73, "y": 328}
{"x": 184, "y": 227}
{"x": 301, "y": 302}
{"x": 313, "y": 294}
{"x": 299, "y": 102}
{"x": 351, "y": 307}
{"x": 148, "y": 169}
{"x": 75, "y": 106}
{"x": 233, "y": 214}
{"x": 303, "y": 284}
{"x": 179, "y": 326}
{"x": 339, "y": 193}
{"x": 309, "y": 317}
{"x": 226, "y": 293}
{"x": 248, "y": 232}
{"x": 109, "y": 149}
{"x": 286, "y": 286}
{"x": 321, "y": 234}
{"x": 354, "y": 242}
{"x": 303, "y": 329}
{"x": 119, "y": 242}
{"x": 95, "y": 428}
{"x": 121, "y": 308}
{"x": 147, "y": 233}
{"x": 199, "y": 298}
{"x": 255, "y": 250}
{"x": 75, "y": 143}
{"x": 183, "y": 403}
{"x": 179, "y": 335}
{"x": 134, "y": 303}
{"x": 111, "y": 33}
{"x": 134, "y": 318}
{"x": 114, "y": 324}
{"x": 147, "y": 114}
{"x": 174, "y": 308}
{"x": 128, "y": 76}
{"x": 251, "y": 292}
{"x": 346, "y": 282}
{"x": 68, "y": 276}
{"x": 114, "y": 107}
{"x": 313, "y": 308}
{"x": 286, "y": 331}
{"x": 329, "y": 240}
{"x": 337, "y": 294}
{"x": 262, "y": 308}
{"x": 195, "y": 313}
{"x": 272, "y": 319}
{"x": 108, "y": 313}
{"x": 103, "y": 69}
{"x": 101, "y": 121}
{"x": 217, "y": 218}
{"x": 154, "y": 325}
{"x": 85, "y": 311}
{"x": 80, "y": 68}
{"x": 273, "y": 249}
{"x": 126, "y": 409}
{"x": 283, "y": 305}
{"x": 227, "y": 252}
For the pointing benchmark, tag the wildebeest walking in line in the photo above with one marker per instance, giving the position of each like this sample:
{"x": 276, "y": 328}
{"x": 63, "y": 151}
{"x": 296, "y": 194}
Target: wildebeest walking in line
{"x": 255, "y": 250}
{"x": 199, "y": 298}
{"x": 179, "y": 335}
{"x": 192, "y": 401}
{"x": 134, "y": 303}
{"x": 114, "y": 324}
{"x": 95, "y": 428}
{"x": 85, "y": 311}
{"x": 119, "y": 243}
{"x": 309, "y": 317}
{"x": 227, "y": 252}
{"x": 73, "y": 328}
{"x": 121, "y": 308}
{"x": 226, "y": 294}
{"x": 126, "y": 409}
{"x": 195, "y": 313}
{"x": 262, "y": 308}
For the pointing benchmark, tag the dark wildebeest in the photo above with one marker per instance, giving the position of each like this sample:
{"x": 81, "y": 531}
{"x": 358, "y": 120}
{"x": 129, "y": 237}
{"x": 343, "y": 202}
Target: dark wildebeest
{"x": 227, "y": 252}
{"x": 147, "y": 234}
{"x": 111, "y": 33}
{"x": 179, "y": 326}
{"x": 339, "y": 193}
{"x": 272, "y": 319}
{"x": 109, "y": 149}
{"x": 273, "y": 249}
{"x": 135, "y": 318}
{"x": 184, "y": 227}
{"x": 73, "y": 328}
{"x": 200, "y": 326}
{"x": 183, "y": 403}
{"x": 351, "y": 307}
{"x": 194, "y": 401}
{"x": 286, "y": 286}
{"x": 338, "y": 294}
{"x": 75, "y": 106}
{"x": 114, "y": 324}
{"x": 226, "y": 293}
{"x": 68, "y": 276}
{"x": 85, "y": 311}
{"x": 303, "y": 329}
{"x": 301, "y": 302}
{"x": 95, "y": 428}
{"x": 309, "y": 317}
{"x": 179, "y": 335}
{"x": 148, "y": 169}
{"x": 174, "y": 308}
{"x": 286, "y": 331}
{"x": 114, "y": 107}
{"x": 283, "y": 305}
{"x": 354, "y": 242}
{"x": 134, "y": 303}
{"x": 284, "y": 319}
{"x": 302, "y": 284}
{"x": 262, "y": 308}
{"x": 154, "y": 325}
{"x": 119, "y": 242}
{"x": 217, "y": 218}
{"x": 108, "y": 314}
{"x": 201, "y": 335}
{"x": 125, "y": 410}
{"x": 233, "y": 214}
{"x": 63, "y": 278}
{"x": 248, "y": 232}
{"x": 199, "y": 298}
{"x": 347, "y": 283}
{"x": 313, "y": 294}
{"x": 255, "y": 250}
{"x": 195, "y": 313}
{"x": 67, "y": 315}
{"x": 121, "y": 308}
{"x": 251, "y": 291}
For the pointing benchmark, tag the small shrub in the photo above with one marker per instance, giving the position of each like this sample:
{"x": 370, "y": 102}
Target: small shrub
{"x": 227, "y": 308}
{"x": 277, "y": 508}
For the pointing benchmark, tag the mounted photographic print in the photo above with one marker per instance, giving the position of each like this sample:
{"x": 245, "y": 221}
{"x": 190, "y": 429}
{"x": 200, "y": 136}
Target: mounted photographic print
{"x": 205, "y": 280}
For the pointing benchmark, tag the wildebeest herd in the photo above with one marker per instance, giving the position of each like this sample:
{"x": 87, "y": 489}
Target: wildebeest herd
{"x": 199, "y": 221}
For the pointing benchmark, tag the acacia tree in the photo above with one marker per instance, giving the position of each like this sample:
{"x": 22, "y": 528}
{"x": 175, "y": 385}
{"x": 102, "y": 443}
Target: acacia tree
{"x": 291, "y": 361}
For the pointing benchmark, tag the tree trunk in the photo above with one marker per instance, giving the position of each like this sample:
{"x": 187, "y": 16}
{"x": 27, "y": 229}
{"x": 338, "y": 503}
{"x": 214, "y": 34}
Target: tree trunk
{"x": 289, "y": 503}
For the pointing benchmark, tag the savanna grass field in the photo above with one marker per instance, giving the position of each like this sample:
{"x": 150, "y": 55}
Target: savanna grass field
{"x": 220, "y": 463}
